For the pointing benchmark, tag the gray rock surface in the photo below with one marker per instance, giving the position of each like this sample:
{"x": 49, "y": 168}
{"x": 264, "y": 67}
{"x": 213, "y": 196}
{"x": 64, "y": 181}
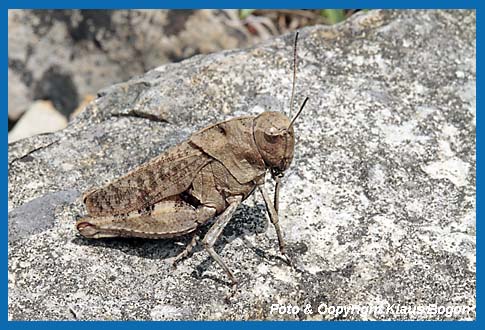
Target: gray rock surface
{"x": 377, "y": 208}
{"x": 63, "y": 55}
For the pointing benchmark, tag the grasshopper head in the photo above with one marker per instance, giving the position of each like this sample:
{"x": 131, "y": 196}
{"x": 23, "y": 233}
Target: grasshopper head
{"x": 275, "y": 140}
{"x": 273, "y": 133}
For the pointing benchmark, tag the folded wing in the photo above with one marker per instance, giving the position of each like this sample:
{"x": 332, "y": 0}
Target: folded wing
{"x": 167, "y": 175}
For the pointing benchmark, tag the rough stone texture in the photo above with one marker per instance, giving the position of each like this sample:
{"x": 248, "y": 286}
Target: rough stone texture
{"x": 63, "y": 55}
{"x": 378, "y": 206}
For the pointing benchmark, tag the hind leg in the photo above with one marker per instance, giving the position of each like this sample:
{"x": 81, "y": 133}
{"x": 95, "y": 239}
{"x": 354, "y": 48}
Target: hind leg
{"x": 168, "y": 218}
{"x": 188, "y": 249}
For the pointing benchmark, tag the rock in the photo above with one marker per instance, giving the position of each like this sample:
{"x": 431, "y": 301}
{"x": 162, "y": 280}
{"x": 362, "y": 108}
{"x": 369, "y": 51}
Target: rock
{"x": 37, "y": 215}
{"x": 41, "y": 117}
{"x": 378, "y": 207}
{"x": 84, "y": 103}
{"x": 63, "y": 55}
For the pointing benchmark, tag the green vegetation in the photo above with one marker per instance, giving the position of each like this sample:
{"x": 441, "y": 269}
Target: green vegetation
{"x": 333, "y": 16}
{"x": 243, "y": 13}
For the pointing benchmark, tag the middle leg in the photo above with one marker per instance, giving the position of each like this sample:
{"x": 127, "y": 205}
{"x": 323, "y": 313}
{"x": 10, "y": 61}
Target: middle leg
{"x": 216, "y": 230}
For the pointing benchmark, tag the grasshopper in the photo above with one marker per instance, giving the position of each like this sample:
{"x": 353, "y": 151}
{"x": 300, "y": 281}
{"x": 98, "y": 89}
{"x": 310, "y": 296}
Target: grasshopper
{"x": 207, "y": 176}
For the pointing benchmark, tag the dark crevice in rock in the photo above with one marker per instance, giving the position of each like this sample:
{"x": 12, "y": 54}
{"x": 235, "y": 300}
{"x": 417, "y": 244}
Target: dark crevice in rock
{"x": 143, "y": 115}
{"x": 28, "y": 154}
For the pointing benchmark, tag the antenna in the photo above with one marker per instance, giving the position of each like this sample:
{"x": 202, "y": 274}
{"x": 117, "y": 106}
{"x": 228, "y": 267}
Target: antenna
{"x": 298, "y": 113}
{"x": 294, "y": 73}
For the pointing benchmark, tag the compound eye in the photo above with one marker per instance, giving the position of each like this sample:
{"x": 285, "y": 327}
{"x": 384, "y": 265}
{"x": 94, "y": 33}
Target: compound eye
{"x": 271, "y": 135}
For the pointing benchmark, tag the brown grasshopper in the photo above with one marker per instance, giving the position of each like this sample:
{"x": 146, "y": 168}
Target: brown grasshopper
{"x": 208, "y": 175}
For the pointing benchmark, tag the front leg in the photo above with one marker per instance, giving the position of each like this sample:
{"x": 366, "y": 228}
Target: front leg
{"x": 273, "y": 215}
{"x": 277, "y": 193}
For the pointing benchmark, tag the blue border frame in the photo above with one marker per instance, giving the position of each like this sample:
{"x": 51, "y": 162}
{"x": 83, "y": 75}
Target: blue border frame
{"x": 479, "y": 180}
{"x": 97, "y": 4}
{"x": 193, "y": 4}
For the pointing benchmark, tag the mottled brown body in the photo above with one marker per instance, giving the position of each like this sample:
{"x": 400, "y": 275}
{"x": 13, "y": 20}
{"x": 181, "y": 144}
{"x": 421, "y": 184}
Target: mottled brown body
{"x": 219, "y": 161}
{"x": 208, "y": 175}
{"x": 183, "y": 188}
